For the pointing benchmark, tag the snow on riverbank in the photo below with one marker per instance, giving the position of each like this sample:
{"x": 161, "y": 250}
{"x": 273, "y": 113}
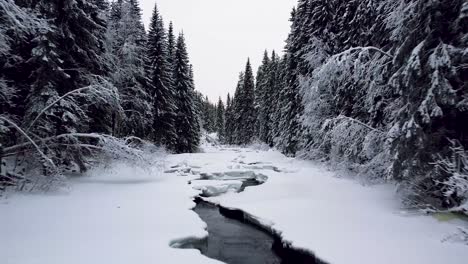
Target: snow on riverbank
{"x": 339, "y": 220}
{"x": 124, "y": 215}
{"x": 128, "y": 215}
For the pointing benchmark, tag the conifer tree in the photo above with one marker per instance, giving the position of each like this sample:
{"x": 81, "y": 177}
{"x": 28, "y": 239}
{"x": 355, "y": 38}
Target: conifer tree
{"x": 209, "y": 115}
{"x": 64, "y": 52}
{"x": 244, "y": 114}
{"x": 249, "y": 114}
{"x": 187, "y": 126}
{"x": 228, "y": 120}
{"x": 262, "y": 100}
{"x": 289, "y": 128}
{"x": 171, "y": 45}
{"x": 272, "y": 94}
{"x": 65, "y": 59}
{"x": 163, "y": 90}
{"x": 126, "y": 39}
{"x": 220, "y": 119}
{"x": 237, "y": 110}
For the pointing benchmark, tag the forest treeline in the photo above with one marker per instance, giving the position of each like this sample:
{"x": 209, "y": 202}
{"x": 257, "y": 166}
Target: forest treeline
{"x": 79, "y": 75}
{"x": 375, "y": 87}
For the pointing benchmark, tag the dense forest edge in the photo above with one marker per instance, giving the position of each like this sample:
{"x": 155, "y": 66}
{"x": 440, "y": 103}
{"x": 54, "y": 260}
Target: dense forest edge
{"x": 82, "y": 82}
{"x": 377, "y": 88}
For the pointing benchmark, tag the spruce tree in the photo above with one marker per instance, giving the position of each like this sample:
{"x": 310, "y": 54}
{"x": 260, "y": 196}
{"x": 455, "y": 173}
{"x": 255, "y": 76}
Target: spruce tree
{"x": 247, "y": 106}
{"x": 272, "y": 94}
{"x": 187, "y": 127}
{"x": 171, "y": 45}
{"x": 237, "y": 111}
{"x": 64, "y": 53}
{"x": 209, "y": 115}
{"x": 65, "y": 59}
{"x": 126, "y": 39}
{"x": 262, "y": 100}
{"x": 18, "y": 28}
{"x": 289, "y": 128}
{"x": 220, "y": 120}
{"x": 162, "y": 90}
{"x": 228, "y": 121}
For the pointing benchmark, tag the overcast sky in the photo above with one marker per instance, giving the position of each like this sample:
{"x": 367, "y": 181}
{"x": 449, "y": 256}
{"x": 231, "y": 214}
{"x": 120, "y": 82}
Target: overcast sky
{"x": 221, "y": 34}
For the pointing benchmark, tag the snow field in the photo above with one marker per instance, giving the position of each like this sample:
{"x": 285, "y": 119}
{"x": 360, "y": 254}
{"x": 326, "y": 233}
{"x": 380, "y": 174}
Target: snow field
{"x": 130, "y": 215}
{"x": 124, "y": 215}
{"x": 339, "y": 220}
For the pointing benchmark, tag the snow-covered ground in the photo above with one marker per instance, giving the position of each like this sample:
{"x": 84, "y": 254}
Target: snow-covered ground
{"x": 129, "y": 215}
{"x": 339, "y": 220}
{"x": 123, "y": 215}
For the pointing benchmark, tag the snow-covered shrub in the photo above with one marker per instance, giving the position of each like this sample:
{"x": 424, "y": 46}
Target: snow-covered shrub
{"x": 452, "y": 170}
{"x": 336, "y": 97}
{"x": 131, "y": 150}
{"x": 259, "y": 145}
{"x": 43, "y": 164}
{"x": 210, "y": 139}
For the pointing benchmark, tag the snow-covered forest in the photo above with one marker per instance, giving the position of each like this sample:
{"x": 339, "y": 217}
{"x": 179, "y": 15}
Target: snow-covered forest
{"x": 355, "y": 133}
{"x": 378, "y": 88}
{"x": 82, "y": 79}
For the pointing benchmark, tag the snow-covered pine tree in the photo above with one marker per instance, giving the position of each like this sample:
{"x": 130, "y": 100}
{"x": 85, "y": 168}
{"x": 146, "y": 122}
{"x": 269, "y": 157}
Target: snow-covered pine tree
{"x": 163, "y": 92}
{"x": 198, "y": 116}
{"x": 236, "y": 110}
{"x": 289, "y": 137}
{"x": 246, "y": 107}
{"x": 208, "y": 114}
{"x": 383, "y": 98}
{"x": 187, "y": 126}
{"x": 272, "y": 94}
{"x": 18, "y": 27}
{"x": 429, "y": 79}
{"x": 69, "y": 56}
{"x": 261, "y": 99}
{"x": 115, "y": 12}
{"x": 171, "y": 45}
{"x": 220, "y": 120}
{"x": 126, "y": 42}
{"x": 228, "y": 120}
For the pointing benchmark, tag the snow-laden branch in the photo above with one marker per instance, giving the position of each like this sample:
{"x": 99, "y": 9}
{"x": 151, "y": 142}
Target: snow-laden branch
{"x": 351, "y": 50}
{"x": 56, "y": 102}
{"x": 44, "y": 140}
{"x": 12, "y": 12}
{"x": 102, "y": 138}
{"x": 30, "y": 141}
{"x": 340, "y": 117}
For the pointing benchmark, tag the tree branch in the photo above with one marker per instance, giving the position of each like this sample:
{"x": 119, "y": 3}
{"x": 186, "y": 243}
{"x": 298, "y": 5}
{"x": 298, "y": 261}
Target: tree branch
{"x": 360, "y": 123}
{"x": 44, "y": 140}
{"x": 362, "y": 49}
{"x": 55, "y": 102}
{"x": 30, "y": 140}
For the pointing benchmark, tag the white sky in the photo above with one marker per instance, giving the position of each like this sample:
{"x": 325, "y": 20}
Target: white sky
{"x": 221, "y": 34}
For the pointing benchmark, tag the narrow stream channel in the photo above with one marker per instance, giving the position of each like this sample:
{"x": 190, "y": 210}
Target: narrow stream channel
{"x": 234, "y": 242}
{"x": 234, "y": 239}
